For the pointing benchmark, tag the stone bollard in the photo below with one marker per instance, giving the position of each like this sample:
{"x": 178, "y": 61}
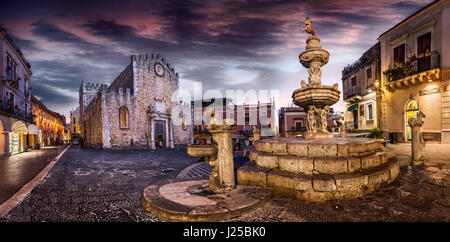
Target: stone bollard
{"x": 417, "y": 142}
{"x": 341, "y": 126}
{"x": 222, "y": 175}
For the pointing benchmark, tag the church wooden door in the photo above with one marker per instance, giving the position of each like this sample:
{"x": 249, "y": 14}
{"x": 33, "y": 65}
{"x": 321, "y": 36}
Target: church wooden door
{"x": 160, "y": 133}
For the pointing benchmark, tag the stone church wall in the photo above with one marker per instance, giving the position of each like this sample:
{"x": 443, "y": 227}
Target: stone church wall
{"x": 94, "y": 124}
{"x": 124, "y": 80}
{"x": 142, "y": 92}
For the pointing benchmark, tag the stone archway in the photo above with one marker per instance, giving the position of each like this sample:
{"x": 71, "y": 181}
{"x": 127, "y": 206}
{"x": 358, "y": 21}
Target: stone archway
{"x": 17, "y": 137}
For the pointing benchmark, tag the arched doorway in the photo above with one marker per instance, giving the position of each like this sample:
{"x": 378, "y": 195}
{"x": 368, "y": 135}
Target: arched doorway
{"x": 412, "y": 109}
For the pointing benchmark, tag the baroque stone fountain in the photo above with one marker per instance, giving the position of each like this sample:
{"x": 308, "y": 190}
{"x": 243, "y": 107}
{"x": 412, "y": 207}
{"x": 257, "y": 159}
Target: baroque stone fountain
{"x": 318, "y": 167}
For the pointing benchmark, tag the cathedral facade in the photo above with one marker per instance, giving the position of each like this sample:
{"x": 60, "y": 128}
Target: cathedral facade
{"x": 134, "y": 111}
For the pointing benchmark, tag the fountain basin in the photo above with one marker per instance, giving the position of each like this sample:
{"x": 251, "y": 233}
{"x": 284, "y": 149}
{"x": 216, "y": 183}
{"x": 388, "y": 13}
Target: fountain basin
{"x": 319, "y": 96}
{"x": 319, "y": 170}
{"x": 201, "y": 150}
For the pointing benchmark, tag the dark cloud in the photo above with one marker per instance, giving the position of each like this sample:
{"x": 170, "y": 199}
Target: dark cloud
{"x": 25, "y": 44}
{"x": 50, "y": 96}
{"x": 205, "y": 41}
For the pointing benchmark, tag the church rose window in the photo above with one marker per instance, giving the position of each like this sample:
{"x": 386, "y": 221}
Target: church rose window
{"x": 123, "y": 117}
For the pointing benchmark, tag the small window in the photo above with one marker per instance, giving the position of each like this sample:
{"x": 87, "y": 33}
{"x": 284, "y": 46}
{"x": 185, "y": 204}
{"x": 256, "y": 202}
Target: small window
{"x": 399, "y": 54}
{"x": 370, "y": 111}
{"x": 123, "y": 117}
{"x": 369, "y": 73}
{"x": 354, "y": 81}
{"x": 183, "y": 124}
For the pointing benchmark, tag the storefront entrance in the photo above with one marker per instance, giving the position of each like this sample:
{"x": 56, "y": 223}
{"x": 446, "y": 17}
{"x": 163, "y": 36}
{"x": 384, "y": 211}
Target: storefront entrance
{"x": 412, "y": 109}
{"x": 17, "y": 137}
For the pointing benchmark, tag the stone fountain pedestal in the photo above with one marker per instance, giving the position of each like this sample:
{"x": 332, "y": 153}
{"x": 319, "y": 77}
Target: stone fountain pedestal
{"x": 320, "y": 169}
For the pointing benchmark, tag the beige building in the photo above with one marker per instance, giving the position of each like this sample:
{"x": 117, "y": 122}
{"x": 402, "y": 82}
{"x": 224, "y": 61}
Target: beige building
{"x": 134, "y": 112}
{"x": 415, "y": 67}
{"x": 74, "y": 129}
{"x": 359, "y": 91}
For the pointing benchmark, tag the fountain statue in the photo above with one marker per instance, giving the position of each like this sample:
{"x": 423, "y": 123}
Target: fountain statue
{"x": 314, "y": 97}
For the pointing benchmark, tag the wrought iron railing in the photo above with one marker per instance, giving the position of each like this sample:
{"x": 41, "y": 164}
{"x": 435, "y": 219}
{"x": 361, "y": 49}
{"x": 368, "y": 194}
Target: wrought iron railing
{"x": 352, "y": 125}
{"x": 352, "y": 91}
{"x": 14, "y": 111}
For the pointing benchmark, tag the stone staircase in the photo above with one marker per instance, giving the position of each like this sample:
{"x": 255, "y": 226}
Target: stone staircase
{"x": 318, "y": 170}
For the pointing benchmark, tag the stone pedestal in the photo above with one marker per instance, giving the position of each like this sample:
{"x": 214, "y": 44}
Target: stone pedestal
{"x": 222, "y": 175}
{"x": 417, "y": 142}
{"x": 256, "y": 134}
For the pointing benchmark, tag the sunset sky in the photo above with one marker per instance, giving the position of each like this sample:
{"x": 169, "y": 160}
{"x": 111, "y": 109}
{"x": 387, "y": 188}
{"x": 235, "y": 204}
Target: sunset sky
{"x": 223, "y": 44}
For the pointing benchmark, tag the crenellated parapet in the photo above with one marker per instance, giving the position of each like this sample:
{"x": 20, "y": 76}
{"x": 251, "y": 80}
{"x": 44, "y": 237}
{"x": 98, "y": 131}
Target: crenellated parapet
{"x": 92, "y": 87}
{"x": 118, "y": 98}
{"x": 151, "y": 59}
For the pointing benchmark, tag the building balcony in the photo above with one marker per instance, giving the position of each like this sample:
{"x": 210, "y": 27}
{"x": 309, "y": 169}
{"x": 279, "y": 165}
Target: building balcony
{"x": 352, "y": 94}
{"x": 417, "y": 70}
{"x": 7, "y": 108}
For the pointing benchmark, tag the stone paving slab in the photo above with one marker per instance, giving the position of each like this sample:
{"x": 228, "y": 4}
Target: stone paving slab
{"x": 188, "y": 199}
{"x": 102, "y": 191}
{"x": 200, "y": 169}
{"x": 99, "y": 185}
{"x": 416, "y": 196}
{"x": 18, "y": 170}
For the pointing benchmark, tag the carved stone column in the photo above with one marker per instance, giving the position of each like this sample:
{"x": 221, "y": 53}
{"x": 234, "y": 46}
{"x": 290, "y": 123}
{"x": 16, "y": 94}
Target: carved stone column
{"x": 222, "y": 175}
{"x": 171, "y": 142}
{"x": 5, "y": 141}
{"x": 152, "y": 133}
{"x": 417, "y": 142}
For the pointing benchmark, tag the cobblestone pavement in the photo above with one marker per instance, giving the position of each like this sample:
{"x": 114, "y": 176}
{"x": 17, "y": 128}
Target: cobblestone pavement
{"x": 18, "y": 170}
{"x": 434, "y": 154}
{"x": 91, "y": 185}
{"x": 200, "y": 169}
{"x": 420, "y": 193}
{"x": 99, "y": 185}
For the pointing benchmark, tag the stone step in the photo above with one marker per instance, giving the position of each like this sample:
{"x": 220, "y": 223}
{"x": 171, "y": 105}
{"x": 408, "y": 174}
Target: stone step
{"x": 319, "y": 187}
{"x": 341, "y": 147}
{"x": 318, "y": 165}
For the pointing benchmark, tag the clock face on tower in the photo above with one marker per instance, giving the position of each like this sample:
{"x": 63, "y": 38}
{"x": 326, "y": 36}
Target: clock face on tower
{"x": 159, "y": 69}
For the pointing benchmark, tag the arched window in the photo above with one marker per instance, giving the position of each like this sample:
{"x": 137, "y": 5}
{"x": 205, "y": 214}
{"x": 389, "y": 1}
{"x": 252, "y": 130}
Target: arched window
{"x": 123, "y": 117}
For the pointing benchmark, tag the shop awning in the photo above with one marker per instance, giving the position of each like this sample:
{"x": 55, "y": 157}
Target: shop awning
{"x": 32, "y": 129}
{"x": 352, "y": 107}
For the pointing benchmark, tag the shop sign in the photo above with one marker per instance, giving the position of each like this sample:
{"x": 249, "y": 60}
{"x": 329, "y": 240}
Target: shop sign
{"x": 430, "y": 90}
{"x": 352, "y": 107}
